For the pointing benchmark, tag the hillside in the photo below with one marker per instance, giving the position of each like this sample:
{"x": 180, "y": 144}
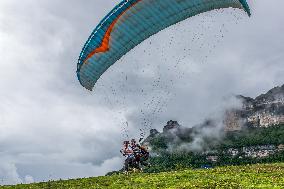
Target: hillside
{"x": 253, "y": 133}
{"x": 253, "y": 145}
{"x": 250, "y": 176}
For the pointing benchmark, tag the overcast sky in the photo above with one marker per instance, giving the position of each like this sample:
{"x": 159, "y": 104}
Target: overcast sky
{"x": 51, "y": 127}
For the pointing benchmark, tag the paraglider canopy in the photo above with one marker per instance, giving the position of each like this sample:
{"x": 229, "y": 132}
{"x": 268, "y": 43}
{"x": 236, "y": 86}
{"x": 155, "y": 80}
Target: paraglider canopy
{"x": 130, "y": 23}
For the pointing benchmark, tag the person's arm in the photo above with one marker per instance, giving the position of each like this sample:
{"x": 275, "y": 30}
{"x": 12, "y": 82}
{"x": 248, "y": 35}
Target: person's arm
{"x": 122, "y": 152}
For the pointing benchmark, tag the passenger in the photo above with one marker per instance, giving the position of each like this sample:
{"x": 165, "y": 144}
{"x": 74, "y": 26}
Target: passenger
{"x": 128, "y": 152}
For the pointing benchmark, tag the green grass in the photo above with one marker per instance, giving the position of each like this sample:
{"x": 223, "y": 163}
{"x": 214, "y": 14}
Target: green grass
{"x": 250, "y": 176}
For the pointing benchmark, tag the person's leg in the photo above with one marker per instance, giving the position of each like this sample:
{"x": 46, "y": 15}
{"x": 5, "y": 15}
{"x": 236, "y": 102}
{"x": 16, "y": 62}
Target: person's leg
{"x": 144, "y": 159}
{"x": 126, "y": 164}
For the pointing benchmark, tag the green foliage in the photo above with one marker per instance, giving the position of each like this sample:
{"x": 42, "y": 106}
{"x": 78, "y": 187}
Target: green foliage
{"x": 159, "y": 142}
{"x": 250, "y": 176}
{"x": 254, "y": 136}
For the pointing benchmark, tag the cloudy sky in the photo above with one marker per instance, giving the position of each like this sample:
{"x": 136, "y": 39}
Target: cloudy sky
{"x": 51, "y": 127}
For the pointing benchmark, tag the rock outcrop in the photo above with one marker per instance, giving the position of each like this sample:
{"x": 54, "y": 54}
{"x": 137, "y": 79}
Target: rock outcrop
{"x": 171, "y": 125}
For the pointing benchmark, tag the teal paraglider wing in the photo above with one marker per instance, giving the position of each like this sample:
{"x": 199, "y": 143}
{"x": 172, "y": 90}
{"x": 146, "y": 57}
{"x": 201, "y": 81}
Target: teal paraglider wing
{"x": 130, "y": 23}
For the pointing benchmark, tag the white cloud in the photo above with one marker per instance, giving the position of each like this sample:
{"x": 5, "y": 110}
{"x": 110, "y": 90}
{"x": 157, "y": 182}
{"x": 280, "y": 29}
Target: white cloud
{"x": 8, "y": 173}
{"x": 29, "y": 179}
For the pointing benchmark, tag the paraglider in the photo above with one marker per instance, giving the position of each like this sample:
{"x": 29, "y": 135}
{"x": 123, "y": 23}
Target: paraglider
{"x": 130, "y": 23}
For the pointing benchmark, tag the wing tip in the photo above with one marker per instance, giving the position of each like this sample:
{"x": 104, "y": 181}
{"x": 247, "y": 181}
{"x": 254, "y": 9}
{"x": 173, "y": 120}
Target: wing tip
{"x": 246, "y": 7}
{"x": 88, "y": 87}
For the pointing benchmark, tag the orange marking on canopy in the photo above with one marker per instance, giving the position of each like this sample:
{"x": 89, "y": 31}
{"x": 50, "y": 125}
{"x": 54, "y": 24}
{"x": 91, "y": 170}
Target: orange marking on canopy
{"x": 105, "y": 42}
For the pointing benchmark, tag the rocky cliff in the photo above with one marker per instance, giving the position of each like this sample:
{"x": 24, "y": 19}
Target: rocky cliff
{"x": 263, "y": 111}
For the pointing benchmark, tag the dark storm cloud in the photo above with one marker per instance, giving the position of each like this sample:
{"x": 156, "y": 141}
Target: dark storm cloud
{"x": 50, "y": 127}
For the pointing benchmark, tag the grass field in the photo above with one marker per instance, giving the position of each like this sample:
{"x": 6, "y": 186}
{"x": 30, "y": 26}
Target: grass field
{"x": 250, "y": 176}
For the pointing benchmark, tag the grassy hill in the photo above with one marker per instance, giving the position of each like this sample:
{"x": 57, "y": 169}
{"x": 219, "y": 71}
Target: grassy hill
{"x": 250, "y": 176}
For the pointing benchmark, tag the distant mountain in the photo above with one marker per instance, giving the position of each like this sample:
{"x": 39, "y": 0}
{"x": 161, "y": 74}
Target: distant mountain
{"x": 263, "y": 111}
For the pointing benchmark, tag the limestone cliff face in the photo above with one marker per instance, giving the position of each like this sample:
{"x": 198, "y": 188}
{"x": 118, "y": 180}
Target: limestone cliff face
{"x": 263, "y": 111}
{"x": 233, "y": 120}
